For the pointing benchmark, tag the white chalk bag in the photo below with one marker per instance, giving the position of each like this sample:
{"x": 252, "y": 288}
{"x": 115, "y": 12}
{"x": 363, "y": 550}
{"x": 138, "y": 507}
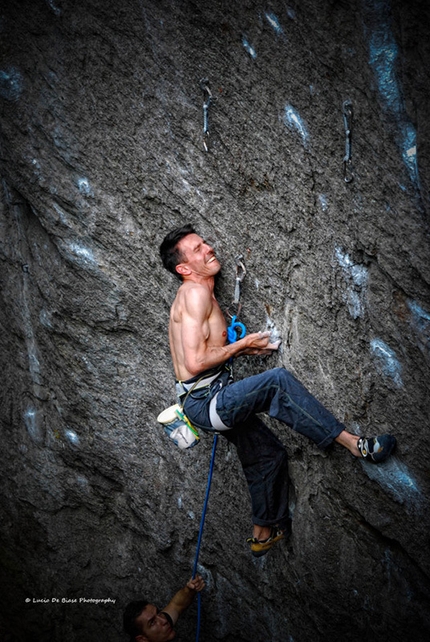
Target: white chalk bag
{"x": 178, "y": 427}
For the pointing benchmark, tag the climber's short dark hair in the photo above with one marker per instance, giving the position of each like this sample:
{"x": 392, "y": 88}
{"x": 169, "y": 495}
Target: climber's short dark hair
{"x": 170, "y": 255}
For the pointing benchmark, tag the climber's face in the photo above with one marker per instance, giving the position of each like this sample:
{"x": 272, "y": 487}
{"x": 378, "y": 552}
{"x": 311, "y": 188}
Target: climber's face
{"x": 199, "y": 260}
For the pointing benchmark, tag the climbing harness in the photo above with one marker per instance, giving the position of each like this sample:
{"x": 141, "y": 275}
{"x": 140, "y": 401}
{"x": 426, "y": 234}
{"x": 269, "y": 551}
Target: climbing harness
{"x": 176, "y": 424}
{"x": 204, "y": 85}
{"x": 348, "y": 174}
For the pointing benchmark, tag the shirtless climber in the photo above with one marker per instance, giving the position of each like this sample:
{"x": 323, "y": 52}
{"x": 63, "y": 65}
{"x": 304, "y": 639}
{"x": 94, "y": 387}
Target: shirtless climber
{"x": 144, "y": 622}
{"x": 212, "y": 401}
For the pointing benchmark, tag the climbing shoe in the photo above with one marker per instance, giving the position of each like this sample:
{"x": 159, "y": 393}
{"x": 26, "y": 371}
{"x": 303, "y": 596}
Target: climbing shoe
{"x": 376, "y": 449}
{"x": 260, "y": 548}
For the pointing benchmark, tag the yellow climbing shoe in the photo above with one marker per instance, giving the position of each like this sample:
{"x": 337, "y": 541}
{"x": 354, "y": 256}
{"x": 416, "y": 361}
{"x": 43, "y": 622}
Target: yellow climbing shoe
{"x": 259, "y": 548}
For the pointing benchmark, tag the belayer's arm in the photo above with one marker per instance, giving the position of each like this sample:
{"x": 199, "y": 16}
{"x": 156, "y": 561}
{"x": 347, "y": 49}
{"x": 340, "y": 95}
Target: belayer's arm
{"x": 183, "y": 598}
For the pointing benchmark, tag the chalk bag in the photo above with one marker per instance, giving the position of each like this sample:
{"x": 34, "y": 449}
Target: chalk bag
{"x": 178, "y": 427}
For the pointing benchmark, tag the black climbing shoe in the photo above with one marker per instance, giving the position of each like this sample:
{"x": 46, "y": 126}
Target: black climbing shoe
{"x": 376, "y": 449}
{"x": 260, "y": 548}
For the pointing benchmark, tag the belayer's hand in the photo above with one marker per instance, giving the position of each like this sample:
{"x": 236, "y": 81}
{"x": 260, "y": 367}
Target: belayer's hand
{"x": 196, "y": 584}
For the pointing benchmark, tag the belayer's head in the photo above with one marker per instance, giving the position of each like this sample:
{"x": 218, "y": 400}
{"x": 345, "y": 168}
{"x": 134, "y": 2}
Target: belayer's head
{"x": 185, "y": 254}
{"x": 145, "y": 623}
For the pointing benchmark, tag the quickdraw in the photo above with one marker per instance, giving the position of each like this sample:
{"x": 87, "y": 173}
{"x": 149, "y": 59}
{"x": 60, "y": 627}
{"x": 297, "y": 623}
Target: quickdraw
{"x": 348, "y": 173}
{"x": 236, "y": 329}
{"x": 204, "y": 85}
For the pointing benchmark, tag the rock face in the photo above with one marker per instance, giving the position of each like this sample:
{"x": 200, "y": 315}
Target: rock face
{"x": 103, "y": 152}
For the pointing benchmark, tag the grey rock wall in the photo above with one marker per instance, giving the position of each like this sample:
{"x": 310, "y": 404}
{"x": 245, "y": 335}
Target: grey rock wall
{"x": 102, "y": 153}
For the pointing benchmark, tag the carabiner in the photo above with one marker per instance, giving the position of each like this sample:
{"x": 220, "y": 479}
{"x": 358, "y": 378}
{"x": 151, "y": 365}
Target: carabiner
{"x": 348, "y": 173}
{"x": 204, "y": 85}
{"x": 236, "y": 330}
{"x": 240, "y": 275}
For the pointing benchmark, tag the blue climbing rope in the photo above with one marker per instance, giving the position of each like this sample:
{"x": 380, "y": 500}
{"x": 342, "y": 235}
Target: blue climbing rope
{"x": 236, "y": 330}
{"x": 202, "y": 523}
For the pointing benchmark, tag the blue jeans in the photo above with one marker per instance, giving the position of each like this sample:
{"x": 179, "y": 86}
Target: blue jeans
{"x": 263, "y": 457}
